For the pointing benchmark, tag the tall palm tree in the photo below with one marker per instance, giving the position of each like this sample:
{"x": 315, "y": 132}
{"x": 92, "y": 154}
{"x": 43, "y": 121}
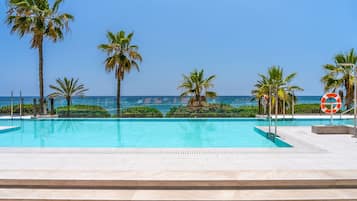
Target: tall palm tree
{"x": 41, "y": 21}
{"x": 67, "y": 88}
{"x": 196, "y": 86}
{"x": 339, "y": 78}
{"x": 122, "y": 57}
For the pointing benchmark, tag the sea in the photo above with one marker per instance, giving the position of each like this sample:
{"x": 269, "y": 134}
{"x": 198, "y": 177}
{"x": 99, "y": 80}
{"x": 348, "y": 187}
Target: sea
{"x": 162, "y": 103}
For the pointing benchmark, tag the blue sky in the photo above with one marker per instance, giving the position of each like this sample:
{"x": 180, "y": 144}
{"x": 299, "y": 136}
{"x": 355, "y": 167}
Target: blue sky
{"x": 234, "y": 39}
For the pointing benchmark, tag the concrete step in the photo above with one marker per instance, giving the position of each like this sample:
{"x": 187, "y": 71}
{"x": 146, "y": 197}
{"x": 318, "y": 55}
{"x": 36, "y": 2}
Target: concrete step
{"x": 179, "y": 179}
{"x": 4, "y": 129}
{"x": 19, "y": 194}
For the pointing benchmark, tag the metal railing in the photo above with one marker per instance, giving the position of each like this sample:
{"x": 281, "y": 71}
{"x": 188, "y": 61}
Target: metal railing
{"x": 347, "y": 111}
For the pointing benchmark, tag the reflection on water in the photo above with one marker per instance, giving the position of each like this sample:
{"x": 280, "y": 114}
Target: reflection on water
{"x": 195, "y": 132}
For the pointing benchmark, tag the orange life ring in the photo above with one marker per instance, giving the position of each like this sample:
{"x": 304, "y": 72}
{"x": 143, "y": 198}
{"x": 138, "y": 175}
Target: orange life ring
{"x": 326, "y": 107}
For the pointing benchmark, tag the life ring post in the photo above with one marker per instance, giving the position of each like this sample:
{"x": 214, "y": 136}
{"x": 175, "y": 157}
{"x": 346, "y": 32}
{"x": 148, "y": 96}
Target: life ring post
{"x": 334, "y": 106}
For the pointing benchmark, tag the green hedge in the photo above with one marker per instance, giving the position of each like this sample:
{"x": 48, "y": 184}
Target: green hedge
{"x": 307, "y": 109}
{"x": 141, "y": 111}
{"x": 213, "y": 110}
{"x": 27, "y": 109}
{"x": 82, "y": 111}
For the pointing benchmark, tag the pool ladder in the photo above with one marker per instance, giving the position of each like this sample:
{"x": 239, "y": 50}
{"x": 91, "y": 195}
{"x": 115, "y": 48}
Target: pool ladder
{"x": 271, "y": 135}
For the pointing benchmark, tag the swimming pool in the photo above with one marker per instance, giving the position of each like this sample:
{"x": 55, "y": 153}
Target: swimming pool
{"x": 145, "y": 133}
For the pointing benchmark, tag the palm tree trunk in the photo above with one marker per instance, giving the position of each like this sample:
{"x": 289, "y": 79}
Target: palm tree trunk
{"x": 292, "y": 106}
{"x": 276, "y": 110}
{"x": 349, "y": 94}
{"x": 68, "y": 105}
{"x": 198, "y": 97}
{"x": 259, "y": 106}
{"x": 40, "y": 75}
{"x": 118, "y": 96}
{"x": 284, "y": 107}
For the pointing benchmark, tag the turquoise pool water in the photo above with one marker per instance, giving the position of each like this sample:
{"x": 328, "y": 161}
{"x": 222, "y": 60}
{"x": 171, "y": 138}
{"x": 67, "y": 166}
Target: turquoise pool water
{"x": 144, "y": 133}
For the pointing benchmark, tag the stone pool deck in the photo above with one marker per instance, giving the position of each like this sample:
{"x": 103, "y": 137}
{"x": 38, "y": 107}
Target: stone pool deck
{"x": 317, "y": 167}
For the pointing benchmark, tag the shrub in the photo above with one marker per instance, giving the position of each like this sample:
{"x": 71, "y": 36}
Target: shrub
{"x": 27, "y": 109}
{"x": 141, "y": 111}
{"x": 82, "y": 111}
{"x": 213, "y": 110}
{"x": 307, "y": 108}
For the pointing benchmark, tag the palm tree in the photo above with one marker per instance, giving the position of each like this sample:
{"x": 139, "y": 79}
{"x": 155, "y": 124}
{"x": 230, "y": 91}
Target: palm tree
{"x": 290, "y": 90}
{"x": 122, "y": 57}
{"x": 260, "y": 93}
{"x": 196, "y": 86}
{"x": 40, "y": 20}
{"x": 277, "y": 86}
{"x": 67, "y": 88}
{"x": 339, "y": 78}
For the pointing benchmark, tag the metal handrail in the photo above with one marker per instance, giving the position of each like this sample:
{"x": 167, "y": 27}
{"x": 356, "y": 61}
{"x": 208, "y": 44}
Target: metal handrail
{"x": 344, "y": 112}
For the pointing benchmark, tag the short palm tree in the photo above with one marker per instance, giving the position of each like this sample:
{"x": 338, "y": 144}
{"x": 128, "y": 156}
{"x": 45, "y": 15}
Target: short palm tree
{"x": 260, "y": 93}
{"x": 41, "y": 21}
{"x": 339, "y": 78}
{"x": 122, "y": 57}
{"x": 196, "y": 86}
{"x": 67, "y": 88}
{"x": 276, "y": 85}
{"x": 290, "y": 91}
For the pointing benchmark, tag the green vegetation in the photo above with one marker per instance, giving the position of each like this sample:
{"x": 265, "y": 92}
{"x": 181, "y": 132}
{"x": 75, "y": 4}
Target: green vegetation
{"x": 146, "y": 112}
{"x": 223, "y": 110}
{"x": 82, "y": 111}
{"x": 27, "y": 109}
{"x": 276, "y": 88}
{"x": 38, "y": 19}
{"x": 213, "y": 110}
{"x": 196, "y": 86}
{"x": 122, "y": 57}
{"x": 308, "y": 109}
{"x": 339, "y": 77}
{"x": 67, "y": 88}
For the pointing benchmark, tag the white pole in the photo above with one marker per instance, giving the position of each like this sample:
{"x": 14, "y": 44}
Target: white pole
{"x": 331, "y": 117}
{"x": 20, "y": 104}
{"x": 293, "y": 106}
{"x": 284, "y": 107}
{"x": 269, "y": 110}
{"x": 354, "y": 100}
{"x": 12, "y": 105}
{"x": 276, "y": 112}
